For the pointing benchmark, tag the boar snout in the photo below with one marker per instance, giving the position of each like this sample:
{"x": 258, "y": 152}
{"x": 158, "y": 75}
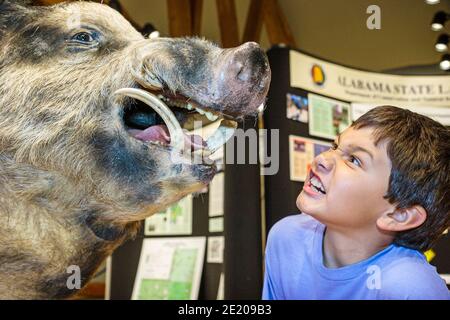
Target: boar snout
{"x": 249, "y": 66}
{"x": 243, "y": 80}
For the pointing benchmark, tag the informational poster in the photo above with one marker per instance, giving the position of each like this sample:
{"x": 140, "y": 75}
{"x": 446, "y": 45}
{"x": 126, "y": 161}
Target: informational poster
{"x": 327, "y": 117}
{"x": 221, "y": 289}
{"x": 176, "y": 220}
{"x": 214, "y": 253}
{"x": 108, "y": 278}
{"x": 216, "y": 195}
{"x": 297, "y": 108}
{"x": 347, "y": 84}
{"x": 169, "y": 269}
{"x": 216, "y": 224}
{"x": 439, "y": 114}
{"x": 302, "y": 152}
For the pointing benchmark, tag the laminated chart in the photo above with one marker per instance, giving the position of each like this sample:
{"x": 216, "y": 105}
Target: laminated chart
{"x": 169, "y": 269}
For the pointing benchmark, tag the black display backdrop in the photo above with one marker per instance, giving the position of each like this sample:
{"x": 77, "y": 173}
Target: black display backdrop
{"x": 243, "y": 242}
{"x": 281, "y": 192}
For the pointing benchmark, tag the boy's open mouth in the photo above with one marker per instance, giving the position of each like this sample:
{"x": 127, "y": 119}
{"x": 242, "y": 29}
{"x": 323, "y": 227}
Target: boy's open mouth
{"x": 315, "y": 183}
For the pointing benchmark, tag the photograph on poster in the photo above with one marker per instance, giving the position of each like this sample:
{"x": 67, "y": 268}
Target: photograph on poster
{"x": 169, "y": 269}
{"x": 302, "y": 152}
{"x": 327, "y": 117}
{"x": 177, "y": 219}
{"x": 297, "y": 108}
{"x": 214, "y": 253}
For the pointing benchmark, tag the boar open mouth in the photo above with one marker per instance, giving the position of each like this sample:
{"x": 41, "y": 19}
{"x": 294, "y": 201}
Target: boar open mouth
{"x": 167, "y": 120}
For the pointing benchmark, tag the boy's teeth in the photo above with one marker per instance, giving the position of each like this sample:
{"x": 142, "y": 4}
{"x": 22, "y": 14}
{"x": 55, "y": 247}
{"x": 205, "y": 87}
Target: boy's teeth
{"x": 316, "y": 183}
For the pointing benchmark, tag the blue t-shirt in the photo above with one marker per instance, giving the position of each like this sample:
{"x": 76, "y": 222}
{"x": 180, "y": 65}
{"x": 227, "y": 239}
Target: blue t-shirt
{"x": 295, "y": 270}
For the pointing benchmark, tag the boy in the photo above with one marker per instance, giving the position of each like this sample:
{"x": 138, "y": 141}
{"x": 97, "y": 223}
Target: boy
{"x": 372, "y": 203}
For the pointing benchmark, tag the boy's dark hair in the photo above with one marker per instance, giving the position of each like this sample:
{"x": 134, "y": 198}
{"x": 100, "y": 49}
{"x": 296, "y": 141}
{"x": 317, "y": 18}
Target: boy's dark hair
{"x": 419, "y": 149}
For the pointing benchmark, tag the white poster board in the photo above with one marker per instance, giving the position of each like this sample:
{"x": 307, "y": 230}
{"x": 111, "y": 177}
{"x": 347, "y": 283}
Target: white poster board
{"x": 327, "y": 117}
{"x": 176, "y": 220}
{"x": 215, "y": 250}
{"x": 169, "y": 269}
{"x": 216, "y": 195}
{"x": 216, "y": 224}
{"x": 348, "y": 84}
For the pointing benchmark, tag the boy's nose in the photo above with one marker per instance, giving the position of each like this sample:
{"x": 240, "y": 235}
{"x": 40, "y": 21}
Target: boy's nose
{"x": 323, "y": 162}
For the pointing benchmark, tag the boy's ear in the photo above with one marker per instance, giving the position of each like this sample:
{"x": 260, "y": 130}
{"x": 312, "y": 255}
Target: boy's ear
{"x": 402, "y": 219}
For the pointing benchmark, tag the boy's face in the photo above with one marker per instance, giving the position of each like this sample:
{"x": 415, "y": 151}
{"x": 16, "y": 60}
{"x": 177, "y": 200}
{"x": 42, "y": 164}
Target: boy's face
{"x": 354, "y": 177}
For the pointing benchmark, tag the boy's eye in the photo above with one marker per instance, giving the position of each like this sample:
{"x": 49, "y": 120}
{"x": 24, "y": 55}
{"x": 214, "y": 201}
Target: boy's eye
{"x": 355, "y": 161}
{"x": 334, "y": 146}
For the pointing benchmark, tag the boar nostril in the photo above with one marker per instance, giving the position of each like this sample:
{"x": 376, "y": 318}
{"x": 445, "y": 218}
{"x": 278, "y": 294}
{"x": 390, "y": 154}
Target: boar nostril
{"x": 263, "y": 83}
{"x": 244, "y": 74}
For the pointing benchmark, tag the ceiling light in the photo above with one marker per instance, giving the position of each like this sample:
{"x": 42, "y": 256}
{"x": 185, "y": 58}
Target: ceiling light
{"x": 442, "y": 43}
{"x": 149, "y": 31}
{"x": 439, "y": 20}
{"x": 445, "y": 62}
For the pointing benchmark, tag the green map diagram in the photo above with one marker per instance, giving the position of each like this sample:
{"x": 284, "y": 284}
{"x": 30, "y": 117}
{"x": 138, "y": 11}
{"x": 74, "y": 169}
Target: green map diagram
{"x": 179, "y": 284}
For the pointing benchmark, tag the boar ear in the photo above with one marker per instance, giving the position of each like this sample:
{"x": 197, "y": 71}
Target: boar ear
{"x": 9, "y": 5}
{"x": 13, "y": 13}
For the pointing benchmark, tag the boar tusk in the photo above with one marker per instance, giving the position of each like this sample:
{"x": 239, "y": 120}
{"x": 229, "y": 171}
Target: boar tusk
{"x": 261, "y": 108}
{"x": 221, "y": 136}
{"x": 176, "y": 133}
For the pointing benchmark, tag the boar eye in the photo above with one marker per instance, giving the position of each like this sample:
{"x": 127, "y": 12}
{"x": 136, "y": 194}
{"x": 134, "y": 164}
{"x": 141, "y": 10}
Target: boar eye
{"x": 83, "y": 37}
